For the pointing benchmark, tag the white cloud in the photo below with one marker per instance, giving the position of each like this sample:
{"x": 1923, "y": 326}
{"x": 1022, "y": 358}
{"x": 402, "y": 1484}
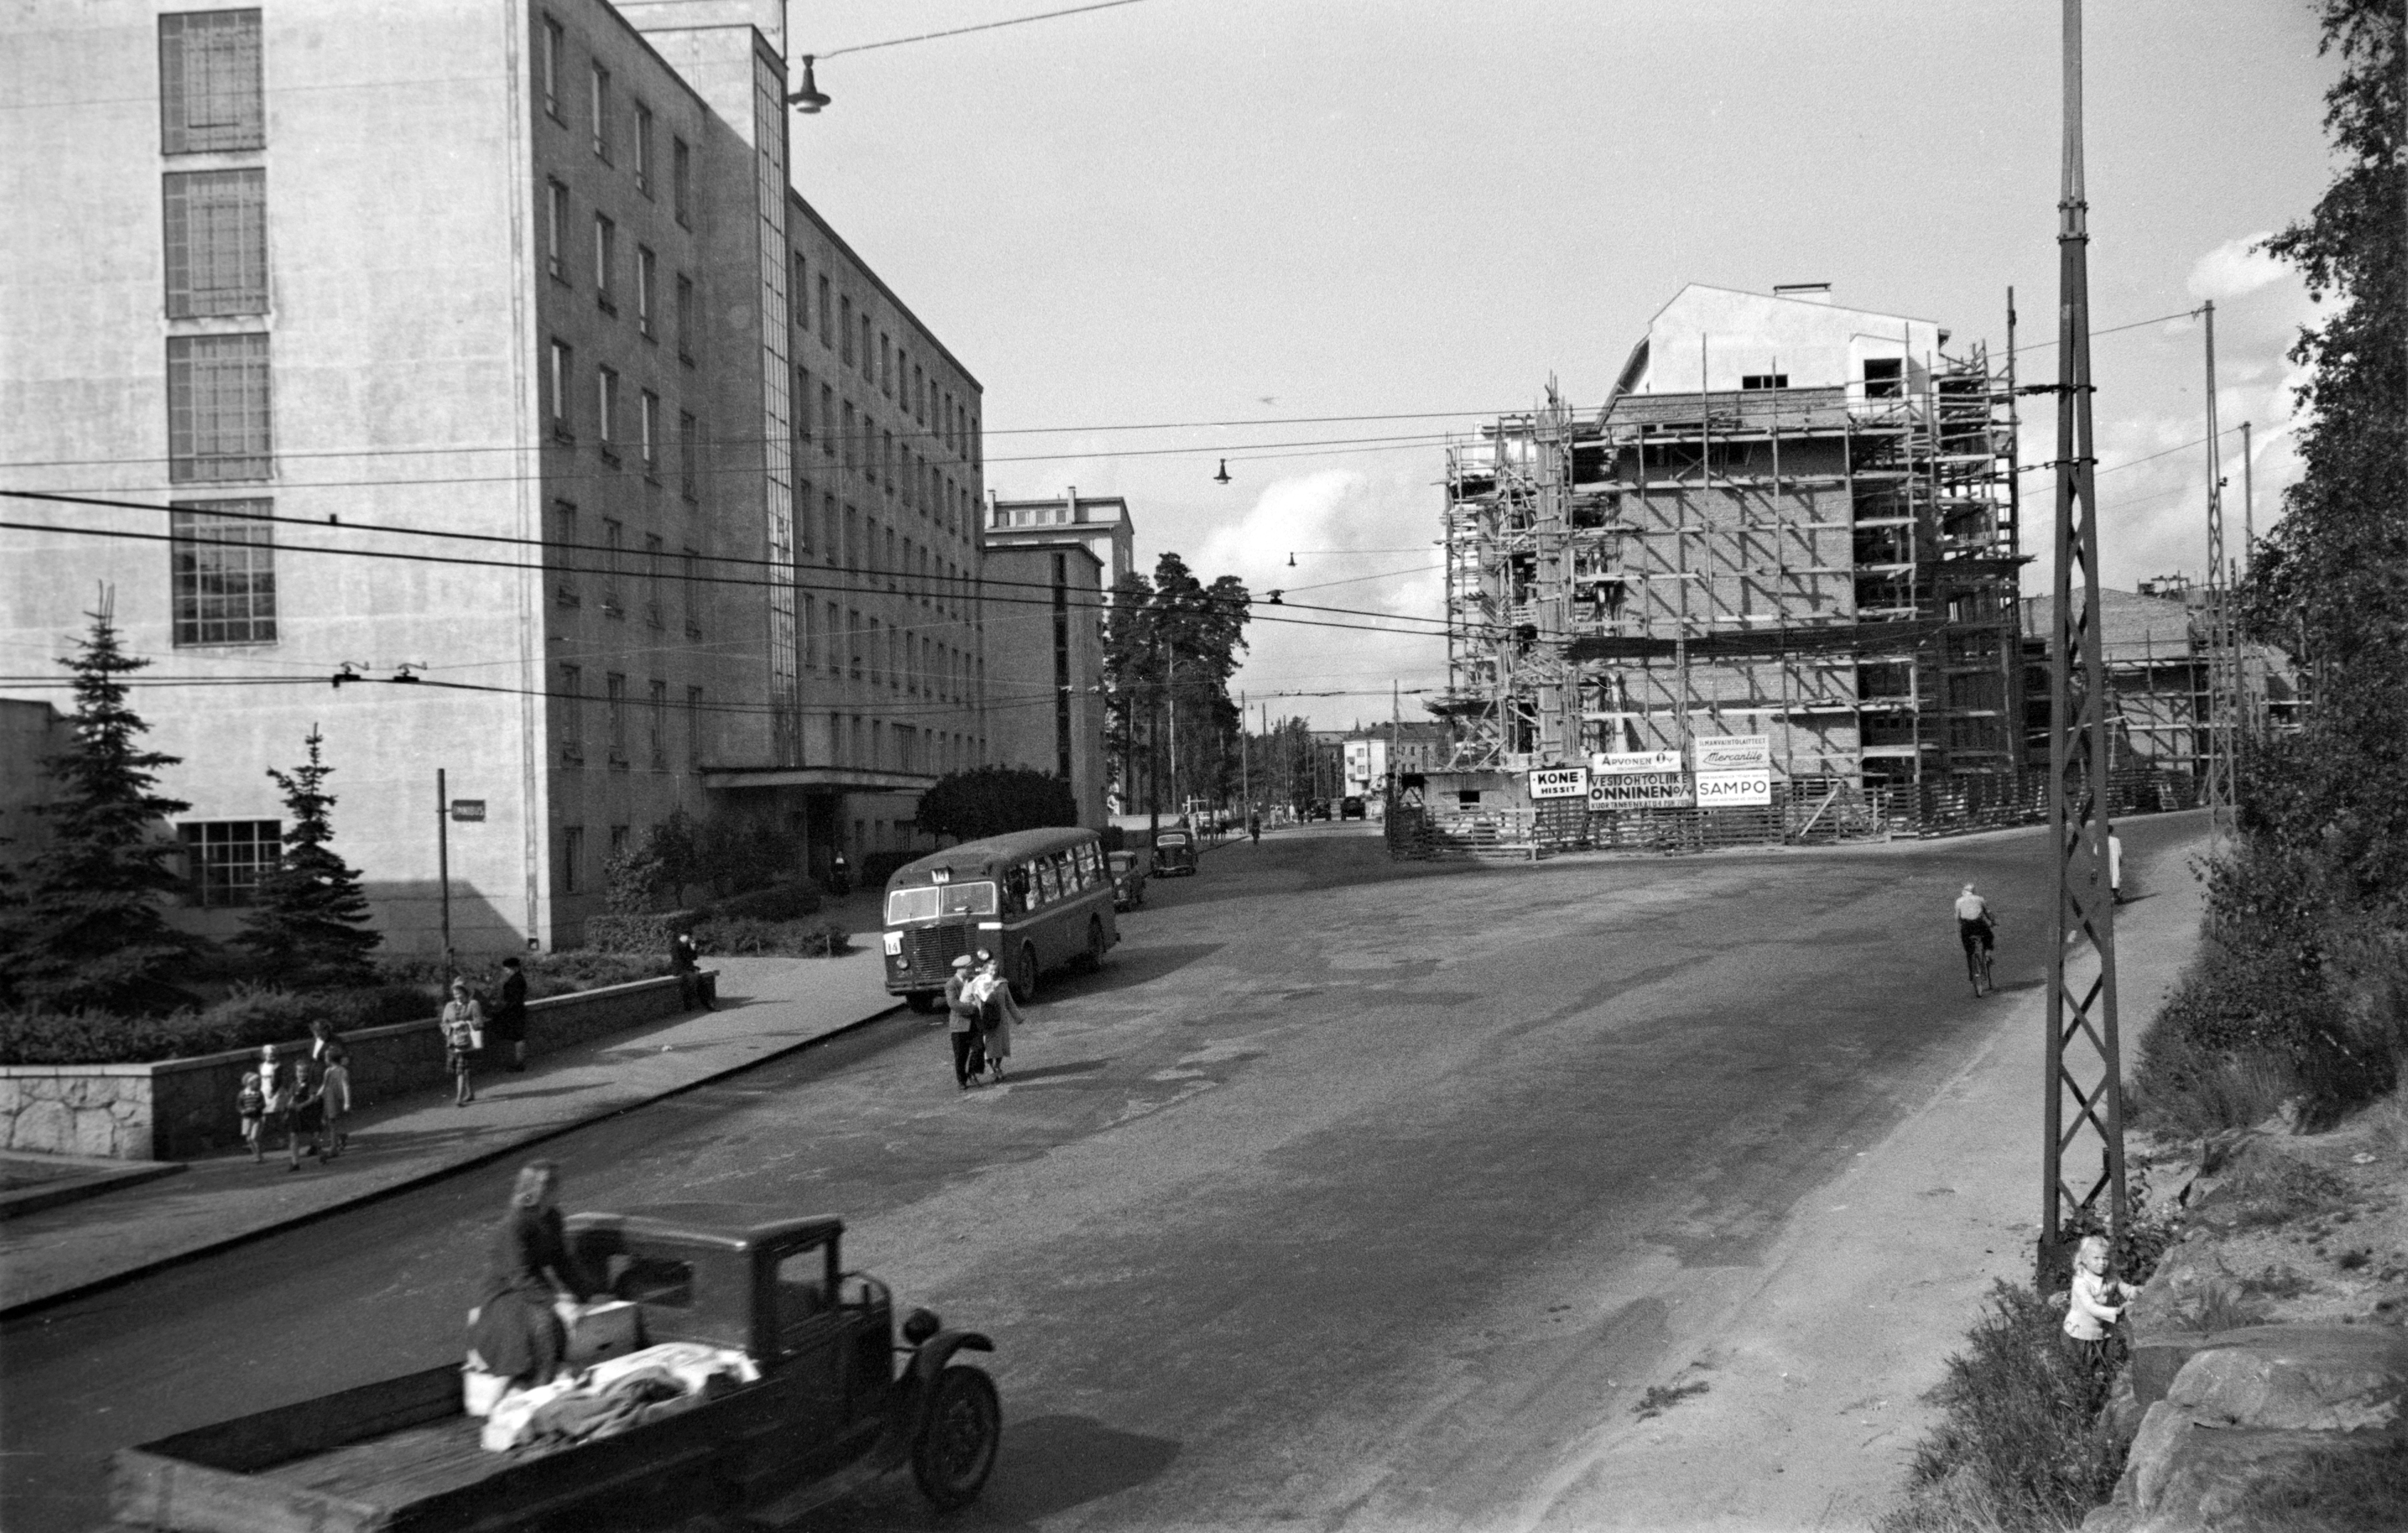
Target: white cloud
{"x": 2235, "y": 268}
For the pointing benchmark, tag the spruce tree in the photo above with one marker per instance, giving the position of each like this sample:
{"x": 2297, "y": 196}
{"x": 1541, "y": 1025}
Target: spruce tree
{"x": 91, "y": 928}
{"x": 308, "y": 920}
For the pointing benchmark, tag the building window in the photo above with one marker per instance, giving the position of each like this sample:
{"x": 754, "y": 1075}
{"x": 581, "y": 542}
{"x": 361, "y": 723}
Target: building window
{"x": 656, "y": 726}
{"x": 563, "y": 359}
{"x": 1884, "y": 377}
{"x": 652, "y": 580}
{"x": 1764, "y": 380}
{"x": 645, "y": 279}
{"x": 209, "y": 96}
{"x": 619, "y": 841}
{"x": 689, "y": 452}
{"x": 798, "y": 308}
{"x": 643, "y": 149}
{"x": 846, "y": 451}
{"x": 648, "y": 429}
{"x": 605, "y": 261}
{"x": 850, "y": 556}
{"x": 555, "y": 230}
{"x": 602, "y": 114}
{"x": 885, "y": 470}
{"x": 853, "y": 642}
{"x": 865, "y": 345}
{"x": 564, "y": 553}
{"x": 844, "y": 328}
{"x": 687, "y": 589}
{"x": 572, "y": 858}
{"x": 885, "y": 366}
{"x": 572, "y": 715}
{"x": 828, "y": 420}
{"x": 222, "y": 563}
{"x": 549, "y": 65}
{"x": 802, "y": 409}
{"x": 825, "y": 340}
{"x": 693, "y": 741}
{"x": 685, "y": 316}
{"x": 217, "y": 407}
{"x": 614, "y": 541}
{"x": 606, "y": 411}
{"x": 226, "y": 859}
{"x": 682, "y": 180}
{"x": 614, "y": 716}
{"x": 217, "y": 243}
{"x": 975, "y": 463}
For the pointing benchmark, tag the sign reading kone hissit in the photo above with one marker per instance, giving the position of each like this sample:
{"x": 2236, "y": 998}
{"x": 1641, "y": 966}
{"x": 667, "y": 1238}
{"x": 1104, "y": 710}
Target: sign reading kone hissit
{"x": 1559, "y": 783}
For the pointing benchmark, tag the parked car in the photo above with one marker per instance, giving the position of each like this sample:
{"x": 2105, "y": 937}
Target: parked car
{"x": 1317, "y": 809}
{"x": 1174, "y": 853}
{"x": 828, "y": 1410}
{"x": 1129, "y": 880}
{"x": 1351, "y": 808}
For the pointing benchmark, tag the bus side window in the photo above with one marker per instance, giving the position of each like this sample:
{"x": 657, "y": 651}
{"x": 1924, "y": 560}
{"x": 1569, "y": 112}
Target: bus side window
{"x": 1048, "y": 880}
{"x": 1022, "y": 888}
{"x": 1090, "y": 872}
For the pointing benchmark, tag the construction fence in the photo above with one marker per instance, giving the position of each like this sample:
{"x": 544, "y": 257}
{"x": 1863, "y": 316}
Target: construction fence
{"x": 1799, "y": 815}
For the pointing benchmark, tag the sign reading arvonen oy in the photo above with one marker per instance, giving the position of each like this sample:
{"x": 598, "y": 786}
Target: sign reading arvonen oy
{"x": 1732, "y": 753}
{"x": 1559, "y": 783}
{"x": 1636, "y": 761}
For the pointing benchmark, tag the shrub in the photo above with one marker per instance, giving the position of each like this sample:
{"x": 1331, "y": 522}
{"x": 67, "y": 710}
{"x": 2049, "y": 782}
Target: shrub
{"x": 251, "y": 1016}
{"x": 2022, "y": 1442}
{"x": 780, "y": 938}
{"x": 789, "y": 901}
{"x": 629, "y": 934}
{"x": 2353, "y": 1486}
{"x": 995, "y": 801}
{"x": 877, "y": 866}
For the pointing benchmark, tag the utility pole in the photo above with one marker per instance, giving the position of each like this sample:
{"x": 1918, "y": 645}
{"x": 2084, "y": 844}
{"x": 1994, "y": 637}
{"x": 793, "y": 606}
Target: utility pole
{"x": 2215, "y": 627}
{"x": 443, "y": 867}
{"x": 1245, "y": 770}
{"x": 1170, "y": 684}
{"x": 2248, "y": 505}
{"x": 1153, "y": 758}
{"x": 2084, "y": 1062}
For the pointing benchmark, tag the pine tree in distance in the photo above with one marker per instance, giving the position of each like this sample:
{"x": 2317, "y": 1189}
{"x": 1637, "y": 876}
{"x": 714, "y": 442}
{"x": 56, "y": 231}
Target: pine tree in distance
{"x": 308, "y": 920}
{"x": 91, "y": 929}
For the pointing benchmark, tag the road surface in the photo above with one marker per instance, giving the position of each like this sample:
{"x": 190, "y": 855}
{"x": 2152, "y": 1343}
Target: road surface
{"x": 1347, "y": 1195}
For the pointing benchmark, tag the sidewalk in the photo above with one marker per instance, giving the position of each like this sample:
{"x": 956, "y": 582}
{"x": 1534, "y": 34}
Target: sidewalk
{"x": 766, "y": 1006}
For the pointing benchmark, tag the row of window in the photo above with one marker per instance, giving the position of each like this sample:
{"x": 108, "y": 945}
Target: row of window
{"x": 850, "y": 540}
{"x": 643, "y": 286}
{"x": 602, "y": 122}
{"x": 617, "y": 429}
{"x": 654, "y": 743}
{"x": 870, "y": 744}
{"x": 844, "y": 642}
{"x": 855, "y": 442}
{"x": 918, "y": 391}
{"x": 617, "y": 569}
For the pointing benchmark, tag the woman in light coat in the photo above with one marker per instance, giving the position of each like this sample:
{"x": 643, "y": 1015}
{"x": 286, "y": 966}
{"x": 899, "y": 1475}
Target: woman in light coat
{"x": 998, "y": 1013}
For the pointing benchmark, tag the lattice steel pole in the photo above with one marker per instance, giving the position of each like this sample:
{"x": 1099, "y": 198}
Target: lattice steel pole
{"x": 2084, "y": 1066}
{"x": 2222, "y": 688}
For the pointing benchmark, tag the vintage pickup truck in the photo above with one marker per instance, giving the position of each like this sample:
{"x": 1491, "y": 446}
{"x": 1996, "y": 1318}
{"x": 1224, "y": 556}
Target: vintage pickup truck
{"x": 830, "y": 1410}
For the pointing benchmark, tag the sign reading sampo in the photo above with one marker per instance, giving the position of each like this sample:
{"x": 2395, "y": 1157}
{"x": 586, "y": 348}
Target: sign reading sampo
{"x": 1559, "y": 783}
{"x": 1733, "y": 789}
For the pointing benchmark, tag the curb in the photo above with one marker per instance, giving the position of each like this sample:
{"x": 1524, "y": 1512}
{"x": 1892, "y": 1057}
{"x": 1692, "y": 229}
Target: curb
{"x": 100, "y": 1176}
{"x": 481, "y": 1157}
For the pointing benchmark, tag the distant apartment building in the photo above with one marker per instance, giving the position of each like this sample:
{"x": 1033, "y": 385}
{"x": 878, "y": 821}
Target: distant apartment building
{"x": 1099, "y": 522}
{"x": 1045, "y": 687}
{"x": 489, "y": 359}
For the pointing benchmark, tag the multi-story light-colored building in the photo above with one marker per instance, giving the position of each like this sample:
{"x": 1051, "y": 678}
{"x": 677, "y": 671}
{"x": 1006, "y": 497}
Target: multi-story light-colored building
{"x": 1045, "y": 696}
{"x": 1101, "y": 523}
{"x": 491, "y": 359}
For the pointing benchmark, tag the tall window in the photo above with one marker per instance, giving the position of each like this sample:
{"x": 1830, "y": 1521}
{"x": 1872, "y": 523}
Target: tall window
{"x": 605, "y": 259}
{"x": 572, "y": 858}
{"x": 801, "y": 288}
{"x": 648, "y": 429}
{"x": 209, "y": 96}
{"x": 685, "y": 318}
{"x": 845, "y": 449}
{"x": 555, "y": 230}
{"x": 652, "y": 580}
{"x": 656, "y": 726}
{"x": 864, "y": 344}
{"x": 885, "y": 366}
{"x": 217, "y": 407}
{"x": 614, "y": 716}
{"x": 217, "y": 243}
{"x": 825, "y": 340}
{"x": 564, "y": 361}
{"x": 844, "y": 328}
{"x": 222, "y": 572}
{"x": 602, "y": 113}
{"x": 606, "y": 409}
{"x": 693, "y": 736}
{"x": 853, "y": 644}
{"x": 646, "y": 276}
{"x": 689, "y": 453}
{"x": 688, "y": 592}
{"x": 563, "y": 554}
{"x": 643, "y": 149}
{"x": 828, "y": 420}
{"x": 226, "y": 859}
{"x": 548, "y": 65}
{"x": 802, "y": 409}
{"x": 614, "y": 541}
{"x": 682, "y": 180}
{"x": 572, "y": 714}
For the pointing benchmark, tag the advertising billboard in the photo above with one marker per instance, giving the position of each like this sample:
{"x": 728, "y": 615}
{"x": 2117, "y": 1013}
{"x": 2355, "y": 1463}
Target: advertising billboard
{"x": 1636, "y": 762}
{"x": 1559, "y": 783}
{"x": 1641, "y": 790}
{"x": 1734, "y": 790}
{"x": 1732, "y": 753}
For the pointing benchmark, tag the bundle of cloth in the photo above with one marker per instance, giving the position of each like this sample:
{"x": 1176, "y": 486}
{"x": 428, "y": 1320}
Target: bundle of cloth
{"x": 611, "y": 1397}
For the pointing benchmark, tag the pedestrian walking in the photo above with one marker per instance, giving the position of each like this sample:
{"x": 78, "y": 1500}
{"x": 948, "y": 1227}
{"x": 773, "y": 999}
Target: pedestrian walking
{"x": 2114, "y": 867}
{"x": 514, "y": 1331}
{"x": 464, "y": 1034}
{"x": 1255, "y": 829}
{"x": 685, "y": 962}
{"x": 962, "y": 1023}
{"x": 250, "y": 1106}
{"x": 308, "y": 1118}
{"x": 2094, "y": 1305}
{"x": 509, "y": 1015}
{"x": 997, "y": 1011}
{"x": 333, "y": 1099}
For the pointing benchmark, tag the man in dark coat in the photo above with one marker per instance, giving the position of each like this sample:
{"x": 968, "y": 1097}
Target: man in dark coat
{"x": 510, "y": 1018}
{"x": 962, "y": 1015}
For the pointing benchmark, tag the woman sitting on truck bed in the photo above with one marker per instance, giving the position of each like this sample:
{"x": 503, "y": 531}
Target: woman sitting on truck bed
{"x": 516, "y": 1333}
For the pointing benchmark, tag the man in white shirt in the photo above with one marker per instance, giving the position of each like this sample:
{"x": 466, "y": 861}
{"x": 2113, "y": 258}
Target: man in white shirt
{"x": 1975, "y": 928}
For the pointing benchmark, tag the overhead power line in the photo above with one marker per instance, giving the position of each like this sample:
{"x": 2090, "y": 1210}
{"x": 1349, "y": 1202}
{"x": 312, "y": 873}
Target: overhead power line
{"x": 982, "y": 26}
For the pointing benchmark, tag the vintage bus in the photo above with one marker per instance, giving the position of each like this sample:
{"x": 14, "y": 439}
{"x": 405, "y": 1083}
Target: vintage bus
{"x": 1037, "y": 899}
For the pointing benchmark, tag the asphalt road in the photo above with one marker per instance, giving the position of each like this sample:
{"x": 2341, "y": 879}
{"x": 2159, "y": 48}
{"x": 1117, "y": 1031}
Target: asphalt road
{"x": 1346, "y": 1195}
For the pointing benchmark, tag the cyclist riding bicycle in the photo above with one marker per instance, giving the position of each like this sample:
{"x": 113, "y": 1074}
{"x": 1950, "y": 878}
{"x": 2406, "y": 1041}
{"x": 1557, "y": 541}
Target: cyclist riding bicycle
{"x": 1975, "y": 928}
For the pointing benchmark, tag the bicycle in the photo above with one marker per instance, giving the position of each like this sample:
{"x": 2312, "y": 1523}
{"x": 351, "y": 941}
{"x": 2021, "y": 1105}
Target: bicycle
{"x": 1978, "y": 958}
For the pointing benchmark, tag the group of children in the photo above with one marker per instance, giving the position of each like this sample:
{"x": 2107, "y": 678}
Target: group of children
{"x": 307, "y": 1097}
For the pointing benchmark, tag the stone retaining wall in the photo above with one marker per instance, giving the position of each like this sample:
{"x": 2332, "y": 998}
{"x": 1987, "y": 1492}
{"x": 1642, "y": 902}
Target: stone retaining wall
{"x": 179, "y": 1108}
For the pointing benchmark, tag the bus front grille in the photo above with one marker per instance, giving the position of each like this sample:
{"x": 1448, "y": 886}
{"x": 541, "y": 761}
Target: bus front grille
{"x": 933, "y": 948}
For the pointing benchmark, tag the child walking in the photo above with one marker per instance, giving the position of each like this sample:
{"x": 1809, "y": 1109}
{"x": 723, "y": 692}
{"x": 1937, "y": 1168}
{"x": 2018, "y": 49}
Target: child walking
{"x": 334, "y": 1100}
{"x": 251, "y": 1105}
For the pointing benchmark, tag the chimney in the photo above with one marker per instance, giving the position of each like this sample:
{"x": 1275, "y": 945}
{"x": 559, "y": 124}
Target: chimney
{"x": 1805, "y": 292}
{"x": 1071, "y": 511}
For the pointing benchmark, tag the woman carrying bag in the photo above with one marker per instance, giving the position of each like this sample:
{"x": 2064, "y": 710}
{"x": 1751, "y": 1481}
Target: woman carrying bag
{"x": 464, "y": 1035}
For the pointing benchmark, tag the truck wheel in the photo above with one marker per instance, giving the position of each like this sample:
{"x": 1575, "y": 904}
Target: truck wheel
{"x": 1093, "y": 959}
{"x": 1024, "y": 975}
{"x": 959, "y": 1436}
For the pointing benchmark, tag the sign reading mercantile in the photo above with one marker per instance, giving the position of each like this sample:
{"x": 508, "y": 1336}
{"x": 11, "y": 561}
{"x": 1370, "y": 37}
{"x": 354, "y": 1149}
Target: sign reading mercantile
{"x": 1559, "y": 783}
{"x": 1641, "y": 790}
{"x": 1636, "y": 760}
{"x": 1732, "y": 753}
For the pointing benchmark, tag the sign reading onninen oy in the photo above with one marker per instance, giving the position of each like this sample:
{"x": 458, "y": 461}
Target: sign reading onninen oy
{"x": 1640, "y": 790}
{"x": 1559, "y": 783}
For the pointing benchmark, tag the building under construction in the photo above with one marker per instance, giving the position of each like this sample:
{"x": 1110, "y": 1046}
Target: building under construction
{"x": 1789, "y": 519}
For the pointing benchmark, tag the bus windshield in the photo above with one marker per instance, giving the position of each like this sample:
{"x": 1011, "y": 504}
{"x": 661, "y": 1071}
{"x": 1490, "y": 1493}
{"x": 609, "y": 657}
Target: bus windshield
{"x": 929, "y": 901}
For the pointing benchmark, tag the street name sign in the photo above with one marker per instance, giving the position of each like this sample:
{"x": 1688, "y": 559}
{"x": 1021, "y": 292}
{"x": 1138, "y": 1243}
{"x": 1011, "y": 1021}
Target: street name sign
{"x": 466, "y": 810}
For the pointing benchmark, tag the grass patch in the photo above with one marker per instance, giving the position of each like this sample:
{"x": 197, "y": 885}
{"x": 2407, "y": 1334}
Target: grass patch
{"x": 2022, "y": 1445}
{"x": 2268, "y": 1188}
{"x": 2220, "y": 1307}
{"x": 1662, "y": 1398}
{"x": 2358, "y": 1488}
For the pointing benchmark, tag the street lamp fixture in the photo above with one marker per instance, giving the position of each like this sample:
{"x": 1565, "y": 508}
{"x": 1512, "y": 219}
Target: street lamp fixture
{"x": 1223, "y": 477}
{"x": 810, "y": 98}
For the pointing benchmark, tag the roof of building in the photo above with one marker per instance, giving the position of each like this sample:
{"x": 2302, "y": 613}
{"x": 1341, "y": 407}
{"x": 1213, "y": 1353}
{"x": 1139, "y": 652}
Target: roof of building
{"x": 879, "y": 283}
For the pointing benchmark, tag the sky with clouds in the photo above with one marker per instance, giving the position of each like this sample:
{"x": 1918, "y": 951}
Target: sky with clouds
{"x": 1181, "y": 231}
